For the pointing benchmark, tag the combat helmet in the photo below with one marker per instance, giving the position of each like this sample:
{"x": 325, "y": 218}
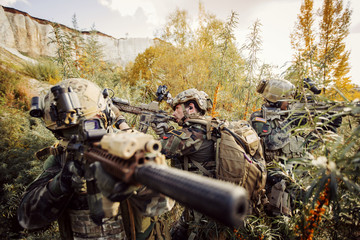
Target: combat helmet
{"x": 274, "y": 90}
{"x": 67, "y": 102}
{"x": 200, "y": 97}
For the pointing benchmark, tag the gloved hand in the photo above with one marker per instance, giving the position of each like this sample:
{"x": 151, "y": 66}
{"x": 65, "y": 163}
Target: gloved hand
{"x": 160, "y": 128}
{"x": 111, "y": 187}
{"x": 68, "y": 180}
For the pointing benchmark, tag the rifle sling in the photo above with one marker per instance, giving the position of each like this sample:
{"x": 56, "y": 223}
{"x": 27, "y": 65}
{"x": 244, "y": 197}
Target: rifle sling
{"x": 198, "y": 165}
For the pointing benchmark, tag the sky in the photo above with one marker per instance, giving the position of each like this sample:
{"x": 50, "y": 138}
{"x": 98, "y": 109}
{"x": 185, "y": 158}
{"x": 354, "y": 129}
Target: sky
{"x": 144, "y": 18}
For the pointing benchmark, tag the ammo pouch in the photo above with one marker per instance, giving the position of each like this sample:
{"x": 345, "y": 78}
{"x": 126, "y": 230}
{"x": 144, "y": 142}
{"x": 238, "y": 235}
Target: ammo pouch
{"x": 295, "y": 147}
{"x": 279, "y": 200}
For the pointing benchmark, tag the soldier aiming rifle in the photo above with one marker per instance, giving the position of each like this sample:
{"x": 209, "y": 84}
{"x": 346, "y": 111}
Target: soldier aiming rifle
{"x": 91, "y": 170}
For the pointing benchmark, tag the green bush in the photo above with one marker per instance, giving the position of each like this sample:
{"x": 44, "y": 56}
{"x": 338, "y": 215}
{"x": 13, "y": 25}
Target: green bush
{"x": 21, "y": 138}
{"x": 44, "y": 70}
{"x": 13, "y": 90}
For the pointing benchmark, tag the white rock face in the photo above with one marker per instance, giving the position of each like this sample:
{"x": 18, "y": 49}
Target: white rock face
{"x": 24, "y": 33}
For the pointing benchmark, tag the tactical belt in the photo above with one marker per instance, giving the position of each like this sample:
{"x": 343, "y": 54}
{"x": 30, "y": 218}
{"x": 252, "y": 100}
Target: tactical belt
{"x": 83, "y": 227}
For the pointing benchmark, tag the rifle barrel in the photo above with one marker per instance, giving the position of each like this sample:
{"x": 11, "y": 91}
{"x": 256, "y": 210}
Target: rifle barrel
{"x": 217, "y": 199}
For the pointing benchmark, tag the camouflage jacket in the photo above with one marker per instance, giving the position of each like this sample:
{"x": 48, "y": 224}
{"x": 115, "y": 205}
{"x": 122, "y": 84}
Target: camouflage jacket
{"x": 188, "y": 146}
{"x": 44, "y": 202}
{"x": 275, "y": 133}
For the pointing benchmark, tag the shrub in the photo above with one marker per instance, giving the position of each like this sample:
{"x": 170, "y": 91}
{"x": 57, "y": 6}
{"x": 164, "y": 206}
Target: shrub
{"x": 21, "y": 138}
{"x": 45, "y": 70}
{"x": 13, "y": 90}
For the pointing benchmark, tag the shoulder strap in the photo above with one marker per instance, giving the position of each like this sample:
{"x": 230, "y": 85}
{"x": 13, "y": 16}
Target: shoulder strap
{"x": 203, "y": 121}
{"x": 198, "y": 165}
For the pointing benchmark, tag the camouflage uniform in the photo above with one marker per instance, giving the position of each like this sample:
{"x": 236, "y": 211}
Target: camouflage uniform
{"x": 278, "y": 143}
{"x": 46, "y": 200}
{"x": 189, "y": 149}
{"x": 192, "y": 149}
{"x": 189, "y": 146}
{"x": 275, "y": 133}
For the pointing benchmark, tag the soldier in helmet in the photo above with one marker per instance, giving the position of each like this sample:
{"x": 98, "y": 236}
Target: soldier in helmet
{"x": 59, "y": 193}
{"x": 189, "y": 148}
{"x": 278, "y": 143}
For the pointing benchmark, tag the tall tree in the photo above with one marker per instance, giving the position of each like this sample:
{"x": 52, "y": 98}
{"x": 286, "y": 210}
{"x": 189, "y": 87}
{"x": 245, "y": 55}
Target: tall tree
{"x": 252, "y": 47}
{"x": 333, "y": 56}
{"x": 303, "y": 41}
{"x": 200, "y": 59}
{"x": 177, "y": 30}
{"x": 322, "y": 54}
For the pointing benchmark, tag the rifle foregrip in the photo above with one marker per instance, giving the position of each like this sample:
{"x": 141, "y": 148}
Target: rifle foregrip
{"x": 217, "y": 199}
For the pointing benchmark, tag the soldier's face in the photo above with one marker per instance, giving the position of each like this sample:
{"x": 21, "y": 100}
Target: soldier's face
{"x": 284, "y": 105}
{"x": 178, "y": 113}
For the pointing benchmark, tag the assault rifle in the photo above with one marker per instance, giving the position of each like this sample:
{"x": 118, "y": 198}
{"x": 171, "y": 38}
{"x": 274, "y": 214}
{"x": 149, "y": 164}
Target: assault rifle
{"x": 131, "y": 157}
{"x": 149, "y": 113}
{"x": 298, "y": 109}
{"x": 302, "y": 106}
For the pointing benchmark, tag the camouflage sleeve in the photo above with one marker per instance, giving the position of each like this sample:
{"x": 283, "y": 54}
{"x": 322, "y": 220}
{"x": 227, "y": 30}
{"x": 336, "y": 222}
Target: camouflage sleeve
{"x": 43, "y": 202}
{"x": 177, "y": 143}
{"x": 150, "y": 203}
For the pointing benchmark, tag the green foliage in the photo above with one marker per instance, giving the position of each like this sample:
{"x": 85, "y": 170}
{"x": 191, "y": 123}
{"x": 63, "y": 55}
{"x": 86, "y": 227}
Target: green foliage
{"x": 79, "y": 56}
{"x": 45, "y": 70}
{"x": 21, "y": 138}
{"x": 13, "y": 90}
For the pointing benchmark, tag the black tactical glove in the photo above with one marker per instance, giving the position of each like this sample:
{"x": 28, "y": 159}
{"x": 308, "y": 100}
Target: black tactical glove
{"x": 68, "y": 180}
{"x": 111, "y": 187}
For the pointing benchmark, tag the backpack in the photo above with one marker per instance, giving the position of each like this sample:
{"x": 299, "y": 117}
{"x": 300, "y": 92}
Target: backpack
{"x": 240, "y": 158}
{"x": 239, "y": 155}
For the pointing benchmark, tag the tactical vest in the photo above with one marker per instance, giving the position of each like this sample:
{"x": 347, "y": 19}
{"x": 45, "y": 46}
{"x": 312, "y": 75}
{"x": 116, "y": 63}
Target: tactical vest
{"x": 196, "y": 150}
{"x": 276, "y": 137}
{"x": 278, "y": 142}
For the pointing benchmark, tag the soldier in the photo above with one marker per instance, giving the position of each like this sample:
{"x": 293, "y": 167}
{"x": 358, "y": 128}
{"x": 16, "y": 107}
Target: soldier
{"x": 59, "y": 192}
{"x": 189, "y": 148}
{"x": 278, "y": 143}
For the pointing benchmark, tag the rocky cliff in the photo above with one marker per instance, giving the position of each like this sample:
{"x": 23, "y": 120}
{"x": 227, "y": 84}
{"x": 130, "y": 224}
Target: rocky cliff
{"x": 30, "y": 35}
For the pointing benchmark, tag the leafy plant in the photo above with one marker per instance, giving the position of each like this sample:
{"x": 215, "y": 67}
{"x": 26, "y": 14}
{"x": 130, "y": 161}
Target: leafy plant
{"x": 45, "y": 70}
{"x": 21, "y": 138}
